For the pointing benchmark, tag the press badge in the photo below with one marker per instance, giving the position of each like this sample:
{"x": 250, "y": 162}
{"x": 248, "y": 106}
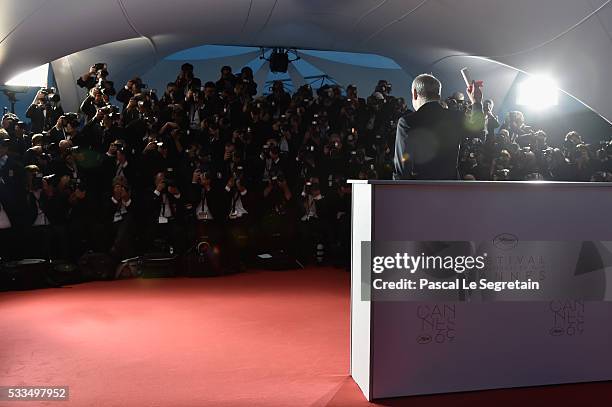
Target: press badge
{"x": 163, "y": 219}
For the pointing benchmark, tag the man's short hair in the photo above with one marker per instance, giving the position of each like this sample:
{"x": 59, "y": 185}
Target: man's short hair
{"x": 427, "y": 86}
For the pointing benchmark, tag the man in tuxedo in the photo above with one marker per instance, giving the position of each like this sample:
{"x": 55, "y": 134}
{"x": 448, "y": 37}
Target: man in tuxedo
{"x": 164, "y": 212}
{"x": 44, "y": 111}
{"x": 428, "y": 140}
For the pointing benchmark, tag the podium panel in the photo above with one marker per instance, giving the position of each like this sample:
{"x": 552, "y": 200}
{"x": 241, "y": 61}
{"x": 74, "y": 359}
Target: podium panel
{"x": 402, "y": 348}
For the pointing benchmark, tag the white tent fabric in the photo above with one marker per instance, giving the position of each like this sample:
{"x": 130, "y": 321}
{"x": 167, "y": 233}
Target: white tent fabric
{"x": 568, "y": 39}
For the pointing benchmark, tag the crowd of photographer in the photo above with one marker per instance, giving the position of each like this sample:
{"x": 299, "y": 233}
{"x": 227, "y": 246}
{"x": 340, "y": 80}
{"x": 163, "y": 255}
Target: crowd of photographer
{"x": 138, "y": 171}
{"x": 514, "y": 151}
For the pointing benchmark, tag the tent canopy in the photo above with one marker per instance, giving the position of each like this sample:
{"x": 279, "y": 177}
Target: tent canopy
{"x": 569, "y": 40}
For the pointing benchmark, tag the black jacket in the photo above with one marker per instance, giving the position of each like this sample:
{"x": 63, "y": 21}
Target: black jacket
{"x": 153, "y": 206}
{"x": 428, "y": 140}
{"x": 36, "y": 114}
{"x": 215, "y": 199}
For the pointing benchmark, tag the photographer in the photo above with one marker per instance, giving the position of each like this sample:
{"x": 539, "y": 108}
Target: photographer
{"x": 111, "y": 127}
{"x": 8, "y": 123}
{"x": 248, "y": 82}
{"x": 279, "y": 99}
{"x": 170, "y": 97}
{"x": 156, "y": 158}
{"x": 164, "y": 214}
{"x": 270, "y": 161}
{"x": 278, "y": 214}
{"x": 9, "y": 244}
{"x": 66, "y": 162}
{"x": 117, "y": 166}
{"x": 232, "y": 162}
{"x": 57, "y": 133}
{"x": 211, "y": 103}
{"x": 96, "y": 76}
{"x": 227, "y": 81}
{"x": 35, "y": 214}
{"x": 491, "y": 121}
{"x": 515, "y": 125}
{"x": 334, "y": 158}
{"x": 91, "y": 136}
{"x": 205, "y": 207}
{"x": 186, "y": 81}
{"x": 340, "y": 221}
{"x": 47, "y": 215}
{"x": 36, "y": 155}
{"x": 132, "y": 88}
{"x": 584, "y": 164}
{"x": 572, "y": 140}
{"x": 559, "y": 167}
{"x": 11, "y": 170}
{"x": 44, "y": 110}
{"x": 118, "y": 221}
{"x": 83, "y": 216}
{"x": 92, "y": 103}
{"x": 194, "y": 106}
{"x": 20, "y": 141}
{"x": 133, "y": 111}
{"x": 238, "y": 209}
{"x": 606, "y": 157}
{"x": 313, "y": 225}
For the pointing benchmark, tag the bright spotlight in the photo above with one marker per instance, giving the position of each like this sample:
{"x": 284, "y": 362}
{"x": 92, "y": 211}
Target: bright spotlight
{"x": 36, "y": 77}
{"x": 538, "y": 92}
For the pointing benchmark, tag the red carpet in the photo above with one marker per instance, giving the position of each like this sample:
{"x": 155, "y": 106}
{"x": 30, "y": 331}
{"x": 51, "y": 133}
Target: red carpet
{"x": 254, "y": 339}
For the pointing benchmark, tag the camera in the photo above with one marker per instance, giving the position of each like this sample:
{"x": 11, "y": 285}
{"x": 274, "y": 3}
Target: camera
{"x": 77, "y": 185}
{"x": 278, "y": 177}
{"x": 308, "y": 188}
{"x": 47, "y": 91}
{"x": 99, "y": 66}
{"x": 70, "y": 117}
{"x": 170, "y": 183}
{"x": 169, "y": 180}
{"x": 108, "y": 109}
{"x": 106, "y": 91}
{"x": 37, "y": 181}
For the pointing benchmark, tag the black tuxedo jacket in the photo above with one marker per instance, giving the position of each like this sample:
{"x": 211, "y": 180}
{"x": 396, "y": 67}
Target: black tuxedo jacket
{"x": 215, "y": 199}
{"x": 153, "y": 206}
{"x": 36, "y": 114}
{"x": 427, "y": 141}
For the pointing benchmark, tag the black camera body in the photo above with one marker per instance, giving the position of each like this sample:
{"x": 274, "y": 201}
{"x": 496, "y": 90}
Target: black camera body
{"x": 170, "y": 183}
{"x": 37, "y": 181}
{"x": 77, "y": 185}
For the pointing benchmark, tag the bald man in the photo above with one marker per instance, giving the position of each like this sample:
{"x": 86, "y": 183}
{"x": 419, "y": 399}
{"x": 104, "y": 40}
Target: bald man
{"x": 428, "y": 140}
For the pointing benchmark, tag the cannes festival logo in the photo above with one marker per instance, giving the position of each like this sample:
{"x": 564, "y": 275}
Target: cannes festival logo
{"x": 505, "y": 241}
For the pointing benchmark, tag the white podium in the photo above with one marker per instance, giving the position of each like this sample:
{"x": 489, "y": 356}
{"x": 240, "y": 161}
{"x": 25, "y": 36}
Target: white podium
{"x": 406, "y": 348}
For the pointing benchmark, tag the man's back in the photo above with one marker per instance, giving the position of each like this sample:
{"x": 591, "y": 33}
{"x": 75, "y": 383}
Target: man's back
{"x": 427, "y": 143}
